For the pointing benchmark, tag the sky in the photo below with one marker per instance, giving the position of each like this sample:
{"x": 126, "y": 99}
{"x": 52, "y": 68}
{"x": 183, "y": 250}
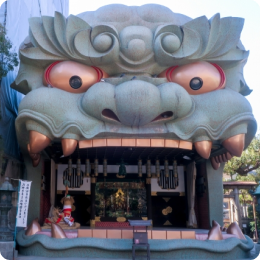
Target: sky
{"x": 250, "y": 37}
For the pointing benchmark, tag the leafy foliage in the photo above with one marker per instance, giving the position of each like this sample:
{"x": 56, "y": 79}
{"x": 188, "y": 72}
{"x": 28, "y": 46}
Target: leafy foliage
{"x": 8, "y": 59}
{"x": 248, "y": 162}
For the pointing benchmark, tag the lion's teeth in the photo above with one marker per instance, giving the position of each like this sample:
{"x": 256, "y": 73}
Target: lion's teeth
{"x": 68, "y": 146}
{"x": 235, "y": 144}
{"x": 33, "y": 228}
{"x": 224, "y": 157}
{"x": 220, "y": 158}
{"x": 229, "y": 156}
{"x": 214, "y": 163}
{"x": 57, "y": 231}
{"x": 38, "y": 142}
{"x": 203, "y": 148}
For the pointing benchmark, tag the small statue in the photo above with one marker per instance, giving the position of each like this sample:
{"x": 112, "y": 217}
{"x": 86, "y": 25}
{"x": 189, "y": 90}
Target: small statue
{"x": 62, "y": 218}
{"x": 67, "y": 202}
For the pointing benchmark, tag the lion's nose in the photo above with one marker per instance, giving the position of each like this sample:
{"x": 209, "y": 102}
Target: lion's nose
{"x": 137, "y": 102}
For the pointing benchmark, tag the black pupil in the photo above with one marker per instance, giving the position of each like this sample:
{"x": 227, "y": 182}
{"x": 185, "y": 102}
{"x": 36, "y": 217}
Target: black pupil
{"x": 196, "y": 83}
{"x": 75, "y": 82}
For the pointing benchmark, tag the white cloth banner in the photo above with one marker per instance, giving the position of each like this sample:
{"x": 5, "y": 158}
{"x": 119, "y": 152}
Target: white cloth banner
{"x": 23, "y": 203}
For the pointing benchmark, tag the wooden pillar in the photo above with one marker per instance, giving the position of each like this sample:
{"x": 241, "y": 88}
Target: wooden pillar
{"x": 92, "y": 198}
{"x": 148, "y": 198}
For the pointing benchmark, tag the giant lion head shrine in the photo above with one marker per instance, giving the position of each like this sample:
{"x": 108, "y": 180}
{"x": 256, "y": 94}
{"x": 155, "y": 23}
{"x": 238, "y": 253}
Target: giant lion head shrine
{"x": 129, "y": 115}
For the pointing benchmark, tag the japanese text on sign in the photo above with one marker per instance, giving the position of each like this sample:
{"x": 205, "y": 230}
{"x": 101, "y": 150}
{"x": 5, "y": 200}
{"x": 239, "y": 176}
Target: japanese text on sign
{"x": 23, "y": 203}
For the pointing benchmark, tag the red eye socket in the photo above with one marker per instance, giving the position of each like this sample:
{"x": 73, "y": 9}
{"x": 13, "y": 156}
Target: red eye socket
{"x": 197, "y": 78}
{"x": 72, "y": 76}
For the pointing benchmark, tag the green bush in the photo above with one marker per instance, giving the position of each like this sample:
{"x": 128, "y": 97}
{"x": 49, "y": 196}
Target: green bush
{"x": 8, "y": 60}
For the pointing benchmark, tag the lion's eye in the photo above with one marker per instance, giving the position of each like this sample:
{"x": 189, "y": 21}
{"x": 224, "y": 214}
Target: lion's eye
{"x": 72, "y": 76}
{"x": 75, "y": 82}
{"x": 197, "y": 78}
{"x": 196, "y": 83}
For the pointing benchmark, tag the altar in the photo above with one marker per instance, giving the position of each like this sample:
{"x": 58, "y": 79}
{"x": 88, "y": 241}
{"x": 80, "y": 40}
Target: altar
{"x": 117, "y": 202}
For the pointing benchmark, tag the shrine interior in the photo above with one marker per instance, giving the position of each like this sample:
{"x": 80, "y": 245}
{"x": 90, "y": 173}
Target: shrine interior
{"x": 122, "y": 191}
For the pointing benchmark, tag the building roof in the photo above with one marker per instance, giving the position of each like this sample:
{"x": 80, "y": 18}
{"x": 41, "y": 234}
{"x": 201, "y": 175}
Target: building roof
{"x": 239, "y": 184}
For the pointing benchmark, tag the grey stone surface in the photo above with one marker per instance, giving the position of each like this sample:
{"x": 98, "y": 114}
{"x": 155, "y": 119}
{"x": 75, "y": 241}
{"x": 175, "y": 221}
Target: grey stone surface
{"x": 6, "y": 249}
{"x": 42, "y": 245}
{"x": 112, "y": 39}
{"x": 215, "y": 188}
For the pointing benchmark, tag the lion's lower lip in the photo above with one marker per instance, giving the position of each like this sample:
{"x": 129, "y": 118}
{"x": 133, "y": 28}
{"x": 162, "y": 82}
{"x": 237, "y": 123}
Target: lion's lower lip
{"x": 167, "y": 143}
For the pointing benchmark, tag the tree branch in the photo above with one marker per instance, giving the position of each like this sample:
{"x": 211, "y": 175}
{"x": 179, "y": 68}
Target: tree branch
{"x": 245, "y": 170}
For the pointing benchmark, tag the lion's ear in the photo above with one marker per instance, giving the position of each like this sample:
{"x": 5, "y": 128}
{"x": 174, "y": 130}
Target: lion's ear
{"x": 62, "y": 200}
{"x": 72, "y": 200}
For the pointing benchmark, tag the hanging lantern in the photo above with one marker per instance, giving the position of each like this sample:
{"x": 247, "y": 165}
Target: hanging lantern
{"x": 87, "y": 168}
{"x": 122, "y": 170}
{"x": 157, "y": 169}
{"x": 96, "y": 167}
{"x": 78, "y": 182}
{"x": 105, "y": 167}
{"x": 175, "y": 174}
{"x": 70, "y": 167}
{"x": 140, "y": 168}
{"x": 148, "y": 168}
{"x": 166, "y": 168}
{"x": 78, "y": 167}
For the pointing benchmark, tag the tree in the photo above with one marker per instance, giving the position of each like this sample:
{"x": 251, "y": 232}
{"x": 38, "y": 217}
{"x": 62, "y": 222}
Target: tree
{"x": 248, "y": 162}
{"x": 8, "y": 59}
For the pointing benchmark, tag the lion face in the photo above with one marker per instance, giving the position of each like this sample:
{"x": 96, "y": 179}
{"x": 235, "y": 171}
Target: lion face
{"x": 134, "y": 75}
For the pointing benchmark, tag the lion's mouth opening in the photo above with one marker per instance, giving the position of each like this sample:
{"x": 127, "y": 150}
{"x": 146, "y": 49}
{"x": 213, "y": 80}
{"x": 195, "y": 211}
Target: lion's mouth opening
{"x": 133, "y": 149}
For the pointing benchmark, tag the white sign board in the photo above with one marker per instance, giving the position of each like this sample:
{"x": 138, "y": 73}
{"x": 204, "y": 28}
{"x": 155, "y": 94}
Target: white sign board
{"x": 23, "y": 203}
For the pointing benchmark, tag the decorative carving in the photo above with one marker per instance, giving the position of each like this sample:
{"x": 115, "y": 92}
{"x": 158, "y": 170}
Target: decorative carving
{"x": 148, "y": 180}
{"x": 33, "y": 228}
{"x": 121, "y": 219}
{"x": 215, "y": 232}
{"x": 57, "y": 231}
{"x": 167, "y": 211}
{"x": 166, "y": 199}
{"x": 92, "y": 222}
{"x": 167, "y": 223}
{"x": 235, "y": 230}
{"x": 97, "y": 219}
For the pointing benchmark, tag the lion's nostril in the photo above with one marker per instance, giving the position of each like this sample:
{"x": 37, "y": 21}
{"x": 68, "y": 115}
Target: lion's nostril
{"x": 164, "y": 115}
{"x": 110, "y": 114}
{"x": 167, "y": 114}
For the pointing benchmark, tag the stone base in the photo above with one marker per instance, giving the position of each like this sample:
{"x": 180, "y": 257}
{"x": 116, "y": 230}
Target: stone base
{"x": 6, "y": 249}
{"x": 6, "y": 236}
